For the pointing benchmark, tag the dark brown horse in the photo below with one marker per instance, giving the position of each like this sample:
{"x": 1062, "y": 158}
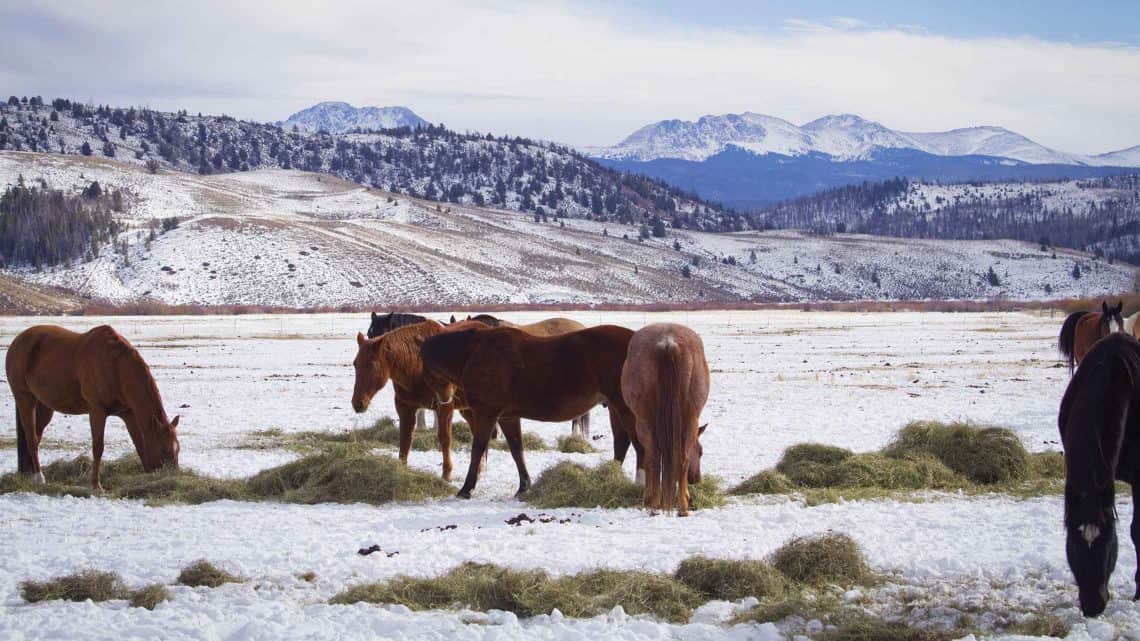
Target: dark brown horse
{"x": 507, "y": 373}
{"x": 1099, "y": 422}
{"x": 98, "y": 373}
{"x": 1082, "y": 329}
{"x": 665, "y": 381}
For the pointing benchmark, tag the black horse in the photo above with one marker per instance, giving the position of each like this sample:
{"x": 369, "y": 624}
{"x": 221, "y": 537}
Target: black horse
{"x": 384, "y": 323}
{"x": 1100, "y": 429}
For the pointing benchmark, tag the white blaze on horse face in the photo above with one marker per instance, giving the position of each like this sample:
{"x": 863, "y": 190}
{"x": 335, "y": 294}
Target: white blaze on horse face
{"x": 1090, "y": 532}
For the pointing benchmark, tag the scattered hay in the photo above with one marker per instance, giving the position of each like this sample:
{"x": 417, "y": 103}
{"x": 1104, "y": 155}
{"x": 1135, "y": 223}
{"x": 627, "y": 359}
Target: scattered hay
{"x": 569, "y": 484}
{"x": 575, "y": 444}
{"x": 730, "y": 580}
{"x": 150, "y": 596}
{"x": 823, "y": 559}
{"x": 982, "y": 454}
{"x": 860, "y": 627}
{"x": 347, "y": 475}
{"x": 919, "y": 472}
{"x": 1041, "y": 625}
{"x": 202, "y": 573}
{"x": 764, "y": 482}
{"x": 531, "y": 592}
{"x": 709, "y": 493}
{"x": 171, "y": 486}
{"x": 1047, "y": 465}
{"x": 803, "y": 604}
{"x": 81, "y": 586}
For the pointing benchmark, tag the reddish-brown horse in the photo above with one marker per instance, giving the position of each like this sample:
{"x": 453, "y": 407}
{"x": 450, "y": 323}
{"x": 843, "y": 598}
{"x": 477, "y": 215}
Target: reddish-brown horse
{"x": 98, "y": 373}
{"x": 665, "y": 381}
{"x": 1081, "y": 330}
{"x": 507, "y": 373}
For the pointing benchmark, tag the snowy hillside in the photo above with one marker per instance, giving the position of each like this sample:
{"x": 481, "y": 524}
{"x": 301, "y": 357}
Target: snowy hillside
{"x": 291, "y": 238}
{"x": 341, "y": 117}
{"x": 843, "y": 137}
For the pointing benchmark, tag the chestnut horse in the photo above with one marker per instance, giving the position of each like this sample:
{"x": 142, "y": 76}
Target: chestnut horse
{"x": 665, "y": 382}
{"x": 580, "y": 425}
{"x": 395, "y": 356}
{"x": 505, "y": 372}
{"x": 1082, "y": 329}
{"x": 98, "y": 373}
{"x": 1099, "y": 423}
{"x": 382, "y": 324}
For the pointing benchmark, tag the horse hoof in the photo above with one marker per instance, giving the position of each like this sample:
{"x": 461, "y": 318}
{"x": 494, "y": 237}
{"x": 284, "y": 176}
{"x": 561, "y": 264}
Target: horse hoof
{"x": 37, "y": 478}
{"x": 464, "y": 494}
{"x": 684, "y": 513}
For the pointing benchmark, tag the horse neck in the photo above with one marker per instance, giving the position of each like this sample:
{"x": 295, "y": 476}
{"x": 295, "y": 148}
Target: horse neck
{"x": 140, "y": 391}
{"x": 1092, "y": 450}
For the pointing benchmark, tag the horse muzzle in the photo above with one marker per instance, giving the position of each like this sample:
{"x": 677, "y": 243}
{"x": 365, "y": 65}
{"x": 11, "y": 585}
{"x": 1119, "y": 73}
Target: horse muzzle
{"x": 1093, "y": 605}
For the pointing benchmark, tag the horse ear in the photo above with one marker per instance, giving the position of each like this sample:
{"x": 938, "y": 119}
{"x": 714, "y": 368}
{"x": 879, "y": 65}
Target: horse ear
{"x": 452, "y": 321}
{"x": 360, "y": 339}
{"x": 375, "y": 316}
{"x": 174, "y": 423}
{"x": 1104, "y": 307}
{"x": 701, "y": 429}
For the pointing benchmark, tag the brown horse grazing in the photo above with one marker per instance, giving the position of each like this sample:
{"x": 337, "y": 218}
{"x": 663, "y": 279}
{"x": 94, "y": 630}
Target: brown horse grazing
{"x": 665, "y": 381}
{"x": 580, "y": 425}
{"x": 98, "y": 373}
{"x": 1082, "y": 329}
{"x": 507, "y": 373}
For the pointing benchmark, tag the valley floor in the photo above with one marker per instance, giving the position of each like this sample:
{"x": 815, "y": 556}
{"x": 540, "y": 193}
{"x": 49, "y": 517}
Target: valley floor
{"x": 779, "y": 378}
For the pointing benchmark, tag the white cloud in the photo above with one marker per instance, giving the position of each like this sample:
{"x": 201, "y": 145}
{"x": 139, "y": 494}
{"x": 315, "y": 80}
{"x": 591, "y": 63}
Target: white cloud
{"x": 561, "y": 72}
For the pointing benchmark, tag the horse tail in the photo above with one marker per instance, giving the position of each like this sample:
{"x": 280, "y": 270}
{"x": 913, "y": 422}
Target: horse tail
{"x": 1067, "y": 339}
{"x": 23, "y": 454}
{"x": 668, "y": 428}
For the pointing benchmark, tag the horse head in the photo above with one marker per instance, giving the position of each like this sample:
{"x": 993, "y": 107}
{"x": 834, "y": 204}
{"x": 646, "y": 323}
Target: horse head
{"x": 371, "y": 372}
{"x": 160, "y": 444}
{"x": 1091, "y": 545}
{"x": 696, "y": 451}
{"x": 1110, "y": 315}
{"x": 381, "y": 324}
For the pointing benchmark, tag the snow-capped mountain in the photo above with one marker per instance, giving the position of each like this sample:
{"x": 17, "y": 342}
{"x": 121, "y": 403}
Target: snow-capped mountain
{"x": 339, "y": 117}
{"x": 1125, "y": 157}
{"x": 843, "y": 137}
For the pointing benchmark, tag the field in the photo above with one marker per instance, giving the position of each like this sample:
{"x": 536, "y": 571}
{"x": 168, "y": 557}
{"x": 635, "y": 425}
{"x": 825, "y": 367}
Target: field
{"x": 243, "y": 384}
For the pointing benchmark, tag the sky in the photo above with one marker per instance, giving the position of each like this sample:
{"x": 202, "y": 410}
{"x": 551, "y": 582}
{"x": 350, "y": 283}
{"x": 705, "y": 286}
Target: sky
{"x": 586, "y": 73}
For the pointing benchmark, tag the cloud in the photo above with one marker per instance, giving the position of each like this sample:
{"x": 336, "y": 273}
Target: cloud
{"x": 573, "y": 73}
{"x": 830, "y": 25}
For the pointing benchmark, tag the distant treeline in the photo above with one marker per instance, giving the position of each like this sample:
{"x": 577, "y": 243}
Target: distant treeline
{"x": 545, "y": 180}
{"x": 1108, "y": 227}
{"x": 40, "y": 226}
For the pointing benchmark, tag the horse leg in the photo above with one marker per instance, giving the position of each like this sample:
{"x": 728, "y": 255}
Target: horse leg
{"x": 482, "y": 424}
{"x": 98, "y": 426}
{"x": 621, "y": 435}
{"x": 651, "y": 476}
{"x": 29, "y": 435}
{"x": 512, "y": 429}
{"x": 467, "y": 417}
{"x": 43, "y": 417}
{"x": 443, "y": 415}
{"x": 421, "y": 419}
{"x": 683, "y": 488}
{"x": 407, "y": 417}
{"x": 1136, "y": 528}
{"x": 580, "y": 426}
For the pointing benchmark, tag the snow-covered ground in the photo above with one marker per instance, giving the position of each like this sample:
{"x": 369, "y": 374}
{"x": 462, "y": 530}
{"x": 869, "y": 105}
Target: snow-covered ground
{"x": 296, "y": 239}
{"x": 779, "y": 378}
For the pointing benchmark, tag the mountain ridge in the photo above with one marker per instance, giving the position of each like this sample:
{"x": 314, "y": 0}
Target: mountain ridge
{"x": 338, "y": 117}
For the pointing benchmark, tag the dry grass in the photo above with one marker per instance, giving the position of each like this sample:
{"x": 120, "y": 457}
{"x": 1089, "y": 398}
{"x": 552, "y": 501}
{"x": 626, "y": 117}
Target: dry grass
{"x": 347, "y": 475}
{"x": 150, "y": 596}
{"x": 855, "y": 627}
{"x": 202, "y": 573}
{"x": 531, "y": 592}
{"x": 1041, "y": 625}
{"x": 81, "y": 586}
{"x": 385, "y": 432}
{"x": 569, "y": 484}
{"x": 981, "y": 454}
{"x": 731, "y": 580}
{"x": 575, "y": 444}
{"x": 823, "y": 560}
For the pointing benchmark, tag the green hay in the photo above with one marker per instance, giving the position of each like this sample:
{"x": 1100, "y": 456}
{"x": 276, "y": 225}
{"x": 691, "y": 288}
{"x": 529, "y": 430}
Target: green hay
{"x": 575, "y": 444}
{"x": 823, "y": 560}
{"x": 709, "y": 493}
{"x": 531, "y": 592}
{"x": 202, "y": 573}
{"x": 982, "y": 454}
{"x": 730, "y": 580}
{"x": 81, "y": 586}
{"x": 150, "y": 596}
{"x": 347, "y": 475}
{"x": 875, "y": 470}
{"x": 1047, "y": 465}
{"x": 764, "y": 482}
{"x": 569, "y": 484}
{"x": 812, "y": 464}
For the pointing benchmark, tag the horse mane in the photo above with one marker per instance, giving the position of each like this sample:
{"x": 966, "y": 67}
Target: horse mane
{"x": 121, "y": 353}
{"x": 1094, "y": 415}
{"x": 400, "y": 348}
{"x": 486, "y": 319}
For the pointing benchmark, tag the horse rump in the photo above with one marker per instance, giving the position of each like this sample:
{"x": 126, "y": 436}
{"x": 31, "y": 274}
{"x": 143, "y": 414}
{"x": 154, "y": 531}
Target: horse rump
{"x": 1067, "y": 340}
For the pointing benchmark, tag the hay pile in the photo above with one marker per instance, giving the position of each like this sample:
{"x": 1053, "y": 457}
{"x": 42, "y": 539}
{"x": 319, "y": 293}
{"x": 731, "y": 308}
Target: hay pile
{"x": 347, "y": 475}
{"x": 202, "y": 573}
{"x": 569, "y": 484}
